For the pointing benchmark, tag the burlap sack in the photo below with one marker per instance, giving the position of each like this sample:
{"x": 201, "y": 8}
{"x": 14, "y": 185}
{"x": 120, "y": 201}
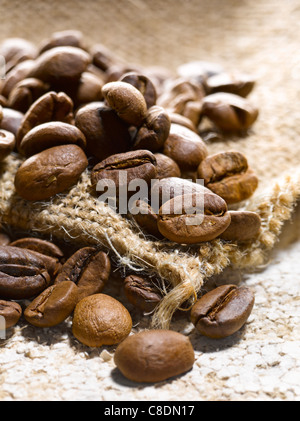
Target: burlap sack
{"x": 257, "y": 38}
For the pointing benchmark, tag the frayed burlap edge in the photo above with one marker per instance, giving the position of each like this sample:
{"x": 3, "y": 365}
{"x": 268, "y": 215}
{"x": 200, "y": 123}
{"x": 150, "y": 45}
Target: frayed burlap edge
{"x": 78, "y": 216}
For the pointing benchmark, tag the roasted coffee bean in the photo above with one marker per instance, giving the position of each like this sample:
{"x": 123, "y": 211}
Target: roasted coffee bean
{"x": 155, "y": 130}
{"x": 11, "y": 120}
{"x": 89, "y": 89}
{"x": 11, "y": 312}
{"x": 140, "y": 164}
{"x": 142, "y": 293}
{"x": 244, "y": 226}
{"x": 49, "y": 172}
{"x": 25, "y": 93}
{"x": 227, "y": 174}
{"x": 61, "y": 66}
{"x": 234, "y": 83}
{"x": 88, "y": 268}
{"x": 166, "y": 167}
{"x": 103, "y": 57}
{"x": 50, "y": 107}
{"x": 193, "y": 218}
{"x": 185, "y": 147}
{"x": 48, "y": 135}
{"x": 128, "y": 102}
{"x": 23, "y": 273}
{"x": 53, "y": 305}
{"x": 182, "y": 121}
{"x": 154, "y": 355}
{"x": 41, "y": 246}
{"x": 15, "y": 75}
{"x": 229, "y": 112}
{"x": 4, "y": 239}
{"x": 222, "y": 311}
{"x": 7, "y": 143}
{"x": 3, "y": 100}
{"x": 146, "y": 218}
{"x": 101, "y": 320}
{"x": 70, "y": 38}
{"x": 199, "y": 70}
{"x": 16, "y": 50}
{"x": 143, "y": 84}
{"x": 106, "y": 134}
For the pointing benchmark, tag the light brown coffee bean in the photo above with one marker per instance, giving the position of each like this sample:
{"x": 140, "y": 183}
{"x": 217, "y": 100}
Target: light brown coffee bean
{"x": 11, "y": 120}
{"x": 101, "y": 320}
{"x": 143, "y": 84}
{"x": 128, "y": 102}
{"x": 53, "y": 305}
{"x": 15, "y": 50}
{"x": 65, "y": 38}
{"x": 11, "y": 311}
{"x": 89, "y": 89}
{"x": 182, "y": 120}
{"x": 15, "y": 75}
{"x": 7, "y": 143}
{"x": 244, "y": 226}
{"x": 4, "y": 239}
{"x": 25, "y": 93}
{"x": 235, "y": 83}
{"x": 227, "y": 174}
{"x": 154, "y": 355}
{"x": 48, "y": 135}
{"x": 50, "y": 172}
{"x": 88, "y": 268}
{"x": 104, "y": 58}
{"x": 229, "y": 112}
{"x": 185, "y": 147}
{"x": 41, "y": 246}
{"x": 166, "y": 167}
{"x": 222, "y": 311}
{"x": 142, "y": 293}
{"x": 193, "y": 218}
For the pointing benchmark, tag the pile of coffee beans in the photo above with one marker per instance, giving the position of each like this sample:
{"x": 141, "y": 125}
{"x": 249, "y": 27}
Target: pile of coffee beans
{"x": 143, "y": 133}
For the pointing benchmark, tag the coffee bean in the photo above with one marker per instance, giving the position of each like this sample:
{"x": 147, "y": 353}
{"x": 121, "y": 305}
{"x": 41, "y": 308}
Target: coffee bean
{"x": 106, "y": 134}
{"x": 101, "y": 320}
{"x": 11, "y": 312}
{"x": 70, "y": 38}
{"x": 166, "y": 167}
{"x": 182, "y": 121}
{"x": 142, "y": 293}
{"x": 128, "y": 102}
{"x": 25, "y": 93}
{"x": 229, "y": 112}
{"x": 244, "y": 226}
{"x": 50, "y": 107}
{"x": 41, "y": 246}
{"x": 154, "y": 355}
{"x": 23, "y": 273}
{"x": 89, "y": 89}
{"x": 7, "y": 143}
{"x": 16, "y": 50}
{"x": 140, "y": 164}
{"x": 193, "y": 218}
{"x": 222, "y": 311}
{"x": 48, "y": 135}
{"x": 155, "y": 130}
{"x": 143, "y": 84}
{"x": 227, "y": 174}
{"x": 4, "y": 239}
{"x": 88, "y": 268}
{"x": 185, "y": 147}
{"x": 49, "y": 172}
{"x": 146, "y": 218}
{"x": 11, "y": 120}
{"x": 103, "y": 57}
{"x": 234, "y": 83}
{"x": 53, "y": 305}
{"x": 199, "y": 70}
{"x": 15, "y": 75}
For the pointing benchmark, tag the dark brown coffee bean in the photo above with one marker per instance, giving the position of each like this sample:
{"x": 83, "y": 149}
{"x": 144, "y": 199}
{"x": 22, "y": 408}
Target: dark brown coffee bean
{"x": 61, "y": 65}
{"x": 89, "y": 268}
{"x": 11, "y": 120}
{"x": 7, "y": 143}
{"x": 193, "y": 218}
{"x": 185, "y": 147}
{"x": 23, "y": 273}
{"x": 143, "y": 84}
{"x": 154, "y": 355}
{"x": 145, "y": 217}
{"x": 69, "y": 37}
{"x": 15, "y": 75}
{"x": 140, "y": 164}
{"x": 229, "y": 111}
{"x": 244, "y": 226}
{"x": 50, "y": 172}
{"x": 128, "y": 102}
{"x": 222, "y": 311}
{"x": 11, "y": 312}
{"x": 227, "y": 174}
{"x": 25, "y": 93}
{"x": 166, "y": 167}
{"x": 50, "y": 107}
{"x": 53, "y": 305}
{"x": 103, "y": 57}
{"x": 155, "y": 130}
{"x": 101, "y": 320}
{"x": 48, "y": 135}
{"x": 41, "y": 246}
{"x": 234, "y": 83}
{"x": 142, "y": 293}
{"x": 106, "y": 134}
